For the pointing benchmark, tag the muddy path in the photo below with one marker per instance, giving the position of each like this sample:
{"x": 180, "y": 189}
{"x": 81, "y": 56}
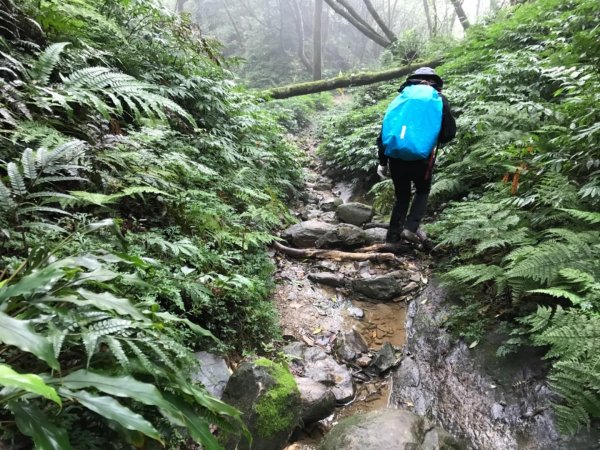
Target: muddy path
{"x": 317, "y": 303}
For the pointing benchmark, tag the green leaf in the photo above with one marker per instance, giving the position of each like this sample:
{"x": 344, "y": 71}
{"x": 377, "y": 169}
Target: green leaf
{"x": 33, "y": 423}
{"x": 108, "y": 302}
{"x": 27, "y": 382}
{"x": 111, "y": 409}
{"x": 20, "y": 334}
{"x": 36, "y": 282}
{"x": 119, "y": 386}
{"x": 192, "y": 326}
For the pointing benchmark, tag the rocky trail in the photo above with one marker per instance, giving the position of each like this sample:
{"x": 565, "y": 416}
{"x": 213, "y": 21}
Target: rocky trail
{"x": 367, "y": 348}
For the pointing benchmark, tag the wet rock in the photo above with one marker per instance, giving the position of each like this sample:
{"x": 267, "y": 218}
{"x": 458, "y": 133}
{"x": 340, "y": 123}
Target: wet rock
{"x": 330, "y": 204}
{"x": 350, "y": 346}
{"x": 327, "y": 278}
{"x": 364, "y": 361}
{"x": 494, "y": 403}
{"x": 410, "y": 287}
{"x": 355, "y": 213}
{"x": 391, "y": 429}
{"x": 375, "y": 235}
{"x": 323, "y": 185}
{"x": 385, "y": 359}
{"x": 329, "y": 217}
{"x": 343, "y": 236}
{"x": 316, "y": 399}
{"x": 306, "y": 234}
{"x": 267, "y": 395}
{"x": 326, "y": 265}
{"x": 383, "y": 287}
{"x": 364, "y": 269}
{"x": 317, "y": 365}
{"x": 438, "y": 439}
{"x": 356, "y": 312}
{"x": 213, "y": 373}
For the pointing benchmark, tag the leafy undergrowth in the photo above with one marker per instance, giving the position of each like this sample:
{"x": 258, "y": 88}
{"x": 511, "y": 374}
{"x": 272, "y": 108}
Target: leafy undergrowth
{"x": 519, "y": 189}
{"x": 139, "y": 187}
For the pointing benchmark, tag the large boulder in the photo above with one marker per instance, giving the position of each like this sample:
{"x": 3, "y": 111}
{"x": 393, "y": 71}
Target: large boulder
{"x": 268, "y": 397}
{"x": 343, "y": 235}
{"x": 317, "y": 401}
{"x": 355, "y": 213}
{"x": 389, "y": 429}
{"x": 213, "y": 373}
{"x": 382, "y": 287}
{"x": 306, "y": 234}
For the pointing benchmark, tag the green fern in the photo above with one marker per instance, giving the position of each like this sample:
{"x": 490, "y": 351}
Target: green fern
{"x": 46, "y": 63}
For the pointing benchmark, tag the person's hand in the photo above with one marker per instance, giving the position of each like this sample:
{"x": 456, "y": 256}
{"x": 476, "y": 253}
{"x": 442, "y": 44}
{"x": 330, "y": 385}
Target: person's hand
{"x": 382, "y": 171}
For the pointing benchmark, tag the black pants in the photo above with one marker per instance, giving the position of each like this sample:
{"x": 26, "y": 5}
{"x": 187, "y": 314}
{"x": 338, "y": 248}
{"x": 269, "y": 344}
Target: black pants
{"x": 404, "y": 173}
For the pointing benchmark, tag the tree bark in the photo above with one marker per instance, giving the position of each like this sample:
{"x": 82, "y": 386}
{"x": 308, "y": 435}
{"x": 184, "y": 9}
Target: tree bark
{"x": 300, "y": 30}
{"x": 460, "y": 13}
{"x": 335, "y": 255}
{"x": 386, "y": 30}
{"x": 357, "y": 79}
{"x": 233, "y": 24}
{"x": 367, "y": 31}
{"x": 428, "y": 16}
{"x": 179, "y": 5}
{"x": 317, "y": 42}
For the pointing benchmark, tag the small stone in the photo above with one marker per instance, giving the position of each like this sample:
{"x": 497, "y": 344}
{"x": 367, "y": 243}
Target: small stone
{"x": 356, "y": 312}
{"x": 364, "y": 361}
{"x": 327, "y": 278}
{"x": 410, "y": 287}
{"x": 415, "y": 276}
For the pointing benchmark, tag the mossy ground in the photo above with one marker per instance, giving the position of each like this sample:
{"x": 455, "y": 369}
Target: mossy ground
{"x": 277, "y": 409}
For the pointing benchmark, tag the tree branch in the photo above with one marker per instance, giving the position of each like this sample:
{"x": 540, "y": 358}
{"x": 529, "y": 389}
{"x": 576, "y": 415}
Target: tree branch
{"x": 386, "y": 30}
{"x": 369, "y": 32}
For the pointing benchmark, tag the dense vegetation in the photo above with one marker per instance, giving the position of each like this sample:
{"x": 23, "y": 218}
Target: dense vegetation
{"x": 519, "y": 189}
{"x": 138, "y": 188}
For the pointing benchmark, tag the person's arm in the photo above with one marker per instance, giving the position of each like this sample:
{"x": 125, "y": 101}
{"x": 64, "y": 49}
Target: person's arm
{"x": 383, "y": 160}
{"x": 448, "y": 131}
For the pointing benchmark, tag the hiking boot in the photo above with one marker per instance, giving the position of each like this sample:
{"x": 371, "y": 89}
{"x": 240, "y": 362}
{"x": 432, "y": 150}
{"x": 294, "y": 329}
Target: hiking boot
{"x": 409, "y": 236}
{"x": 421, "y": 234}
{"x": 392, "y": 236}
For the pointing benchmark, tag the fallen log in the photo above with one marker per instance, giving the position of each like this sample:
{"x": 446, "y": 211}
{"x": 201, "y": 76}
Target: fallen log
{"x": 355, "y": 79}
{"x": 336, "y": 255}
{"x": 400, "y": 247}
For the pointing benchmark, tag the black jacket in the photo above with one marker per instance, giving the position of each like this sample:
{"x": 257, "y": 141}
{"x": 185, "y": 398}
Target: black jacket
{"x": 447, "y": 132}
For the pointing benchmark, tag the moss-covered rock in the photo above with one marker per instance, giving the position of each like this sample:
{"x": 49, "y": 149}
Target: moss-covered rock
{"x": 268, "y": 397}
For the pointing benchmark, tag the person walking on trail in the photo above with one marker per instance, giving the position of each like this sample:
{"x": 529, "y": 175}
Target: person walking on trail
{"x": 415, "y": 123}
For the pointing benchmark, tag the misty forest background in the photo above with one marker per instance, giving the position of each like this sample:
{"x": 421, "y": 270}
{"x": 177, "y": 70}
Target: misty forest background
{"x": 144, "y": 171}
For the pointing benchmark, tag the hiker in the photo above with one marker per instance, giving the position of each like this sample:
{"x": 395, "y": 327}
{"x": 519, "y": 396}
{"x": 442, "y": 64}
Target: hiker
{"x": 416, "y": 122}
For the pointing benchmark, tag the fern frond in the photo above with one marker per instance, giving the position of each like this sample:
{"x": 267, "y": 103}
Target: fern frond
{"x": 28, "y": 164}
{"x": 43, "y": 67}
{"x": 475, "y": 274}
{"x": 545, "y": 260}
{"x": 587, "y": 216}
{"x": 559, "y": 293}
{"x": 6, "y": 201}
{"x": 117, "y": 350}
{"x": 16, "y": 179}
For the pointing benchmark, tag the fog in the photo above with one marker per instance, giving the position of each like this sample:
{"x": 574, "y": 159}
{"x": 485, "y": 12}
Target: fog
{"x": 272, "y": 42}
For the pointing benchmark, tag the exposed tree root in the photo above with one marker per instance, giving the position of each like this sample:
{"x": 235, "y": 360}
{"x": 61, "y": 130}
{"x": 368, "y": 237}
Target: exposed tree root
{"x": 338, "y": 255}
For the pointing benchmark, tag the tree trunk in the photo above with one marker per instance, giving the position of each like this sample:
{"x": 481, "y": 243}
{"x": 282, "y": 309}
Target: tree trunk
{"x": 460, "y": 13}
{"x": 357, "y": 79}
{"x": 238, "y": 35}
{"x": 300, "y": 30}
{"x": 367, "y": 31}
{"x": 428, "y": 16}
{"x": 179, "y": 5}
{"x": 317, "y": 34}
{"x": 388, "y": 33}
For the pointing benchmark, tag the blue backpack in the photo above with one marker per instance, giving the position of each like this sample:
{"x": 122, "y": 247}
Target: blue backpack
{"x": 412, "y": 123}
